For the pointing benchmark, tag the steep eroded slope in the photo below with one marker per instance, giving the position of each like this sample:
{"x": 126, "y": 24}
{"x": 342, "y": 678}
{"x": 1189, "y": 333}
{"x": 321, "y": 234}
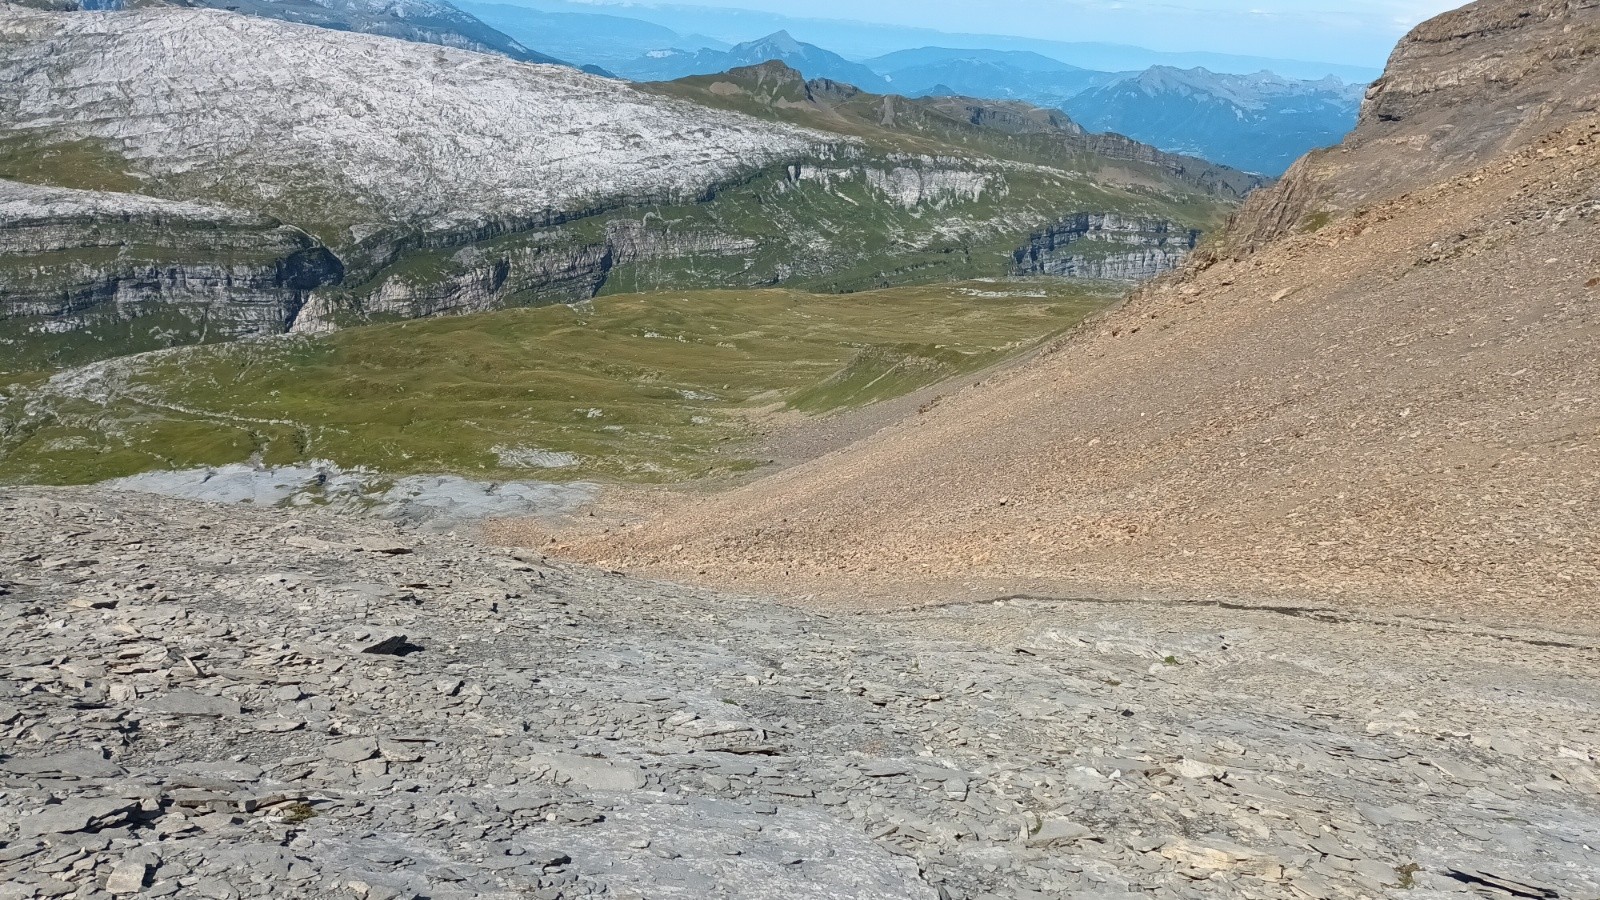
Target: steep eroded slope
{"x": 1396, "y": 404}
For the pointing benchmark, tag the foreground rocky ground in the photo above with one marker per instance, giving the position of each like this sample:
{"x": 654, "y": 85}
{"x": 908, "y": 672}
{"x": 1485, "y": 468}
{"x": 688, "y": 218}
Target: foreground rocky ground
{"x": 201, "y": 701}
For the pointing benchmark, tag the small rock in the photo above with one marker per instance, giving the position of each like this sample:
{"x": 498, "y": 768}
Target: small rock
{"x": 279, "y": 726}
{"x": 1196, "y": 770}
{"x": 1057, "y": 832}
{"x": 886, "y": 769}
{"x": 76, "y": 815}
{"x": 74, "y": 763}
{"x": 188, "y": 703}
{"x": 352, "y": 751}
{"x": 128, "y": 877}
{"x": 595, "y": 774}
{"x": 386, "y": 644}
{"x": 386, "y": 547}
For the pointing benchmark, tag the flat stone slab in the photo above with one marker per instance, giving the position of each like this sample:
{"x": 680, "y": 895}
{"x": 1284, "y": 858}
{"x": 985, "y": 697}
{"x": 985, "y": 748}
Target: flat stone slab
{"x": 189, "y": 703}
{"x": 75, "y": 815}
{"x": 73, "y": 763}
{"x": 594, "y": 774}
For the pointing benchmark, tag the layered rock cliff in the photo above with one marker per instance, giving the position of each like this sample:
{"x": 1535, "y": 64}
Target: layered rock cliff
{"x": 80, "y": 267}
{"x": 533, "y": 268}
{"x": 1107, "y": 247}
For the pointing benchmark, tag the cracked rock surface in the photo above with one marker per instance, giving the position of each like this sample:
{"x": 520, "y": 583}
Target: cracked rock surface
{"x": 199, "y": 701}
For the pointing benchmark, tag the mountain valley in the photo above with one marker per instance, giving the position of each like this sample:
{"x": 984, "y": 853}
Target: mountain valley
{"x": 430, "y": 472}
{"x": 667, "y": 386}
{"x": 488, "y": 207}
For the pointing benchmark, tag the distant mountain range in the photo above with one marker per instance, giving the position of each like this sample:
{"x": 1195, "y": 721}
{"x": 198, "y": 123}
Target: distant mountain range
{"x": 422, "y": 21}
{"x": 1261, "y": 122}
{"x": 811, "y": 60}
{"x": 862, "y": 40}
{"x": 995, "y": 74}
{"x": 1258, "y": 122}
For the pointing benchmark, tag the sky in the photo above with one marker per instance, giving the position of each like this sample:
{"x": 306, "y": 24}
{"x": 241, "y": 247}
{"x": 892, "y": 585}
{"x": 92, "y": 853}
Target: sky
{"x": 1353, "y": 32}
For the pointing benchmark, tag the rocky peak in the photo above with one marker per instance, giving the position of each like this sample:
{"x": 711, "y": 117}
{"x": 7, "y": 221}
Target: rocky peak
{"x": 1506, "y": 65}
{"x": 1462, "y": 89}
{"x": 781, "y": 44}
{"x": 773, "y": 70}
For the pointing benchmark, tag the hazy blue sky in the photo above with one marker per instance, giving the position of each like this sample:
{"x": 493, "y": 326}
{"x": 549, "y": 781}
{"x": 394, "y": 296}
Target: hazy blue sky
{"x": 1358, "y": 32}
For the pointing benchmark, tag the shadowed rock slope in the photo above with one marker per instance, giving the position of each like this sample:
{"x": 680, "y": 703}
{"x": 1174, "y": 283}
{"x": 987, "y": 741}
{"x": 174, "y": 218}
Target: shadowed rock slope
{"x": 1385, "y": 391}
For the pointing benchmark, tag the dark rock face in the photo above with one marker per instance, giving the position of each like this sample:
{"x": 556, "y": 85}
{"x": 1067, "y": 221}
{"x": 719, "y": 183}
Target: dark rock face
{"x": 1107, "y": 247}
{"x": 536, "y": 267}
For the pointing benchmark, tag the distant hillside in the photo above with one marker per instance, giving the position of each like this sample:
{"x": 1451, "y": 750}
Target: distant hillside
{"x": 1260, "y": 123}
{"x": 1006, "y": 130}
{"x": 1018, "y": 60}
{"x": 811, "y": 60}
{"x": 985, "y": 78}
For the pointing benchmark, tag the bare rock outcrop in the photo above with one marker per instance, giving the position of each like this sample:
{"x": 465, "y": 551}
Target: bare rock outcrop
{"x": 77, "y": 261}
{"x": 1107, "y": 247}
{"x": 218, "y": 702}
{"x": 1461, "y": 90}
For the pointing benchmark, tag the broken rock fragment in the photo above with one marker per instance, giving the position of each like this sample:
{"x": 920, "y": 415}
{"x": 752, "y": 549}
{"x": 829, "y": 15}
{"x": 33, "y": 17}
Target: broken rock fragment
{"x": 77, "y": 815}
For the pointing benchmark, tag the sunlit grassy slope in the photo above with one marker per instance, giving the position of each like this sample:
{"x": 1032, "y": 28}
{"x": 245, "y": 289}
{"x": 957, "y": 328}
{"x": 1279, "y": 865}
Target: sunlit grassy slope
{"x": 648, "y": 387}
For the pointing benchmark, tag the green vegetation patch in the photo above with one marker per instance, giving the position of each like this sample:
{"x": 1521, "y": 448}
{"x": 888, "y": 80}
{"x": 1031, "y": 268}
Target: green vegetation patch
{"x": 83, "y": 165}
{"x": 648, "y": 388}
{"x": 28, "y": 344}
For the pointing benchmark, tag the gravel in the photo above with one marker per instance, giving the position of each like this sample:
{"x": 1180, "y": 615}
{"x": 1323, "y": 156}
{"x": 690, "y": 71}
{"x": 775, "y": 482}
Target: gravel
{"x": 555, "y": 731}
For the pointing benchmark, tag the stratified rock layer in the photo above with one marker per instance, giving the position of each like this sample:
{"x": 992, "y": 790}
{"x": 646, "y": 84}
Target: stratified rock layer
{"x": 94, "y": 262}
{"x": 1462, "y": 89}
{"x": 1108, "y": 247}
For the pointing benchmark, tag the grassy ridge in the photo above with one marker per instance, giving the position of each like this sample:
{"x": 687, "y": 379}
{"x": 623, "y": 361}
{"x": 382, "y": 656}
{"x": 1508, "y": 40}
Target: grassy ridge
{"x": 643, "y": 387}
